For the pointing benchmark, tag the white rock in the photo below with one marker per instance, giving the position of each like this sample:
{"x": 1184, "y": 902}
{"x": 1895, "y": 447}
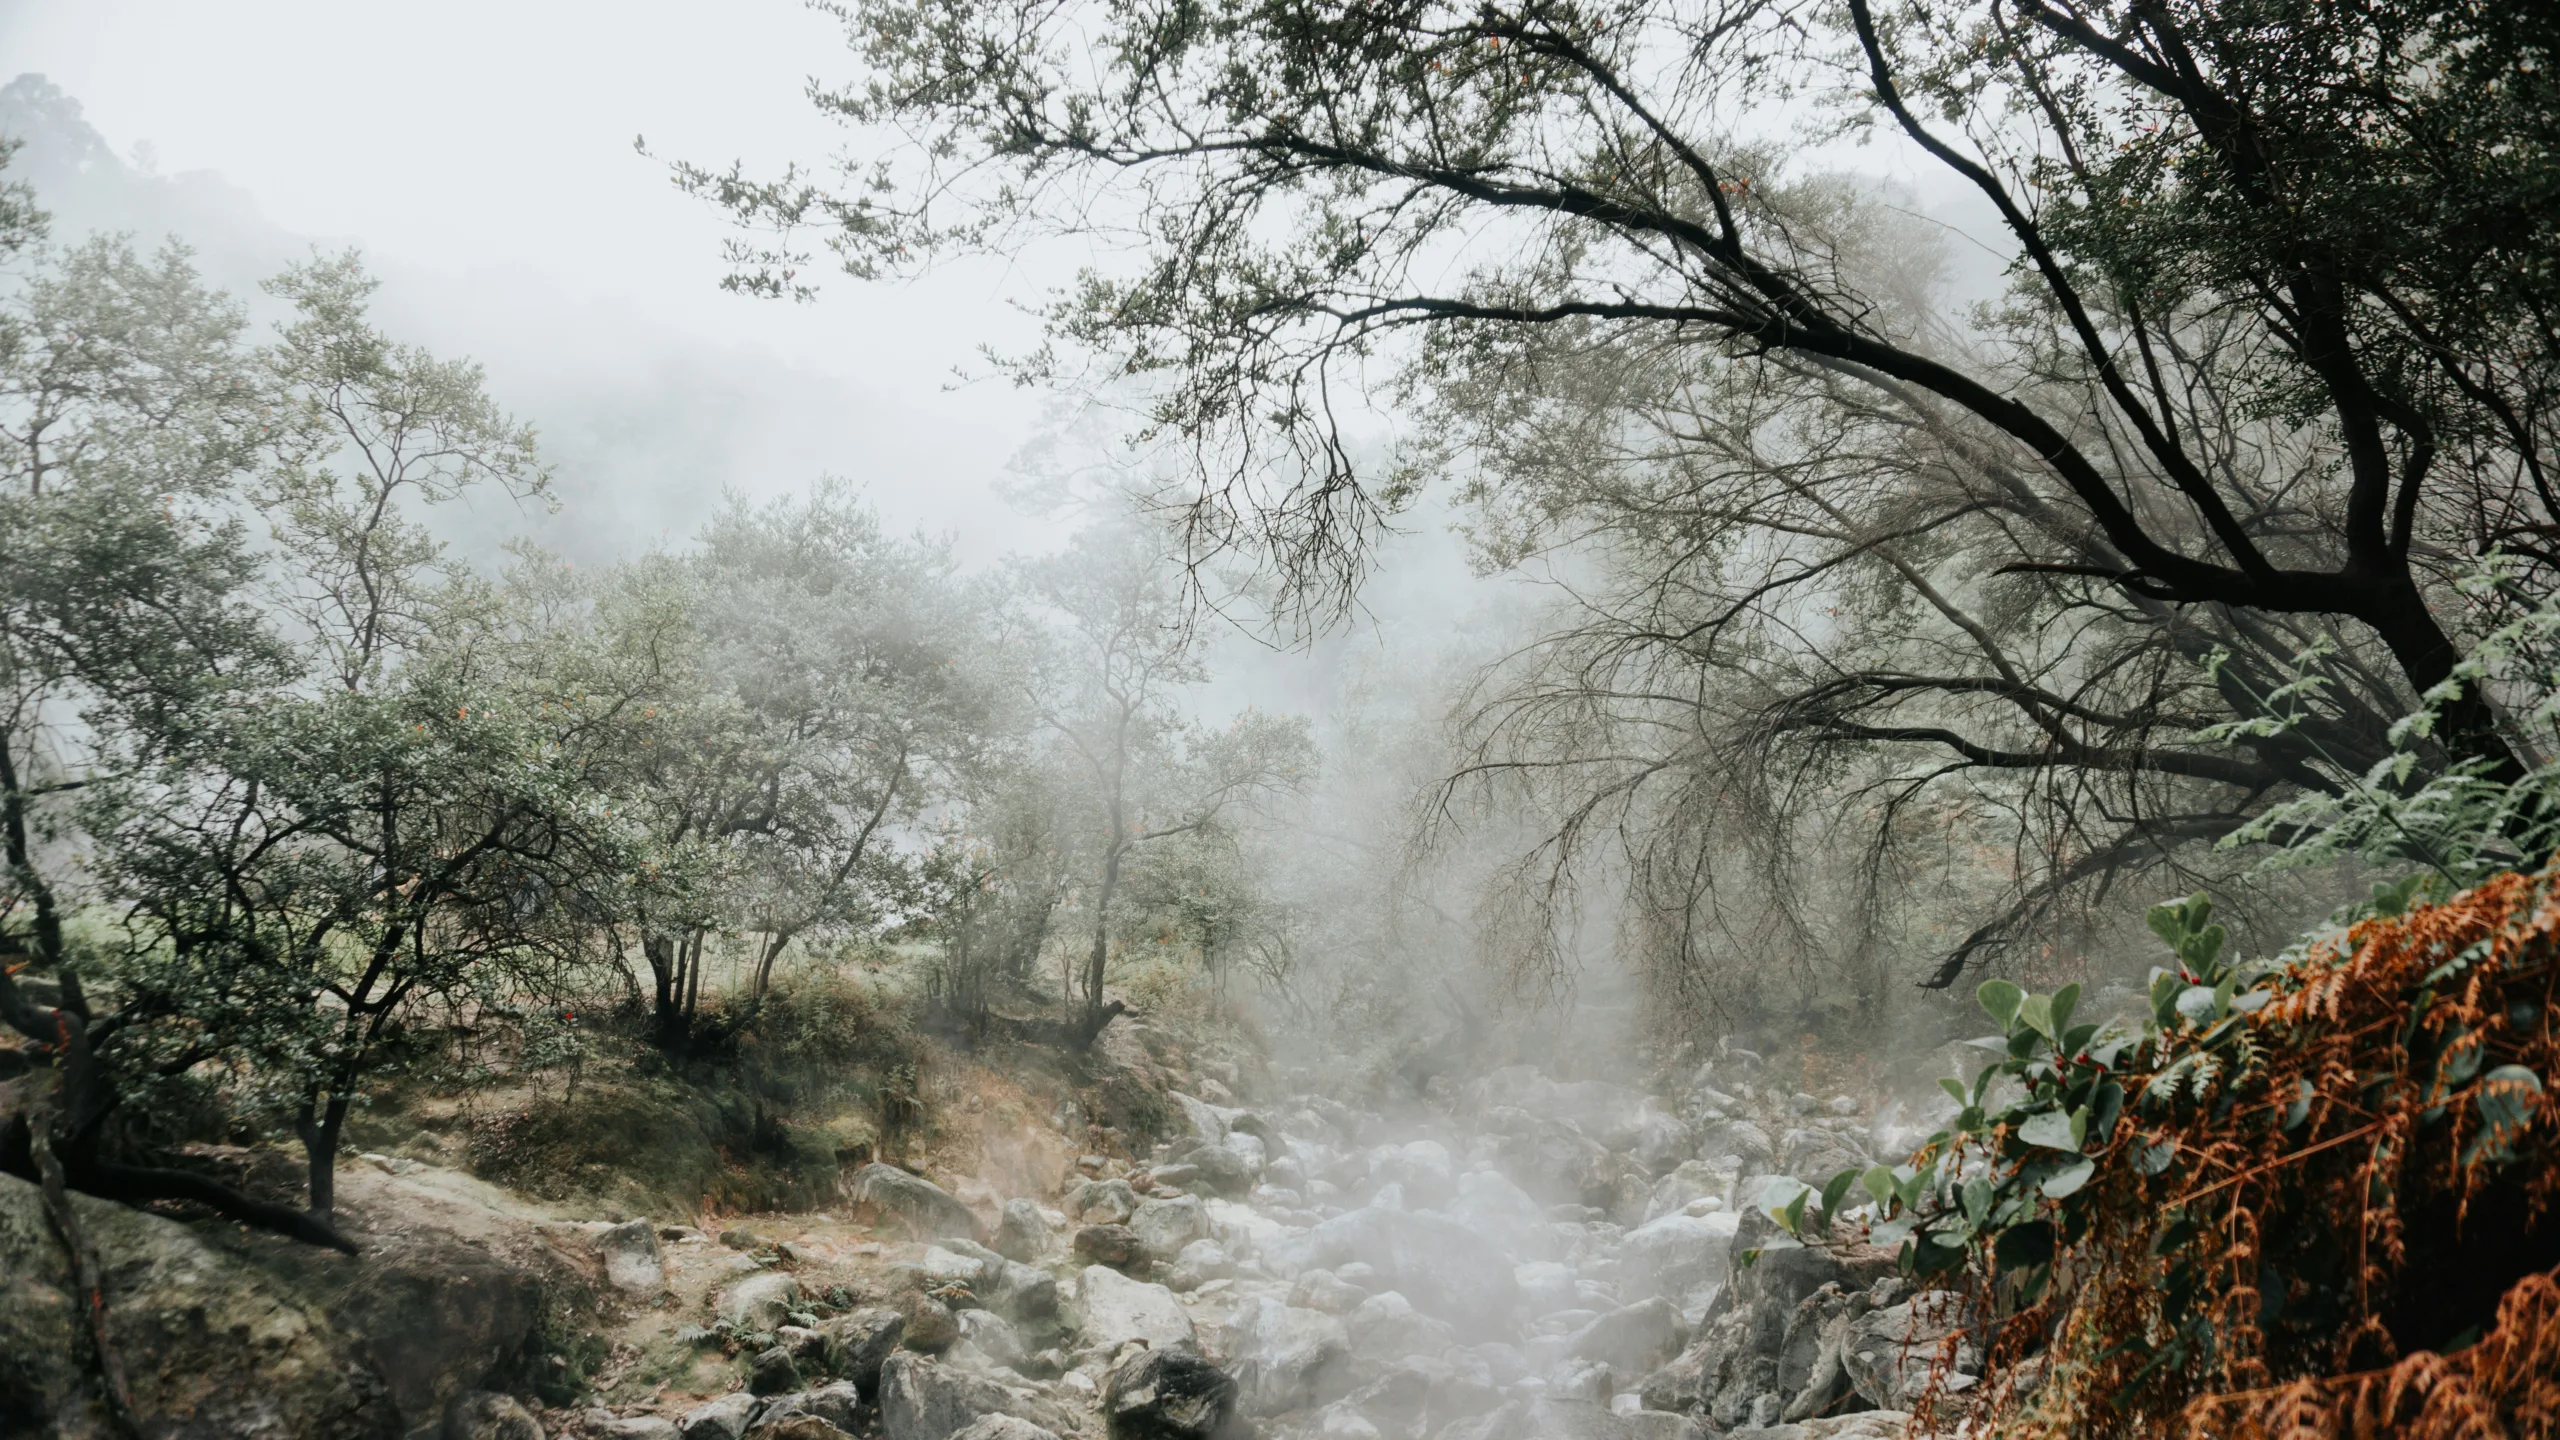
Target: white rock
{"x": 1114, "y": 1309}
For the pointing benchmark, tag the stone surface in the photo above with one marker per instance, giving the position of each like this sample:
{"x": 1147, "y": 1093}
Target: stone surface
{"x": 772, "y": 1372}
{"x": 924, "y": 1210}
{"x": 1166, "y": 1394}
{"x": 722, "y": 1419}
{"x": 798, "y": 1427}
{"x": 839, "y": 1405}
{"x": 1113, "y": 1309}
{"x": 1114, "y": 1245}
{"x": 1022, "y": 1234}
{"x": 632, "y": 1263}
{"x": 1683, "y": 1257}
{"x": 1163, "y": 1227}
{"x": 1633, "y": 1340}
{"x": 1444, "y": 1268}
{"x": 484, "y": 1415}
{"x": 858, "y": 1342}
{"x": 227, "y": 1334}
{"x": 1292, "y": 1358}
{"x": 1386, "y": 1326}
{"x": 931, "y": 1327}
{"x": 759, "y": 1302}
{"x": 631, "y": 1427}
{"x": 920, "y": 1400}
{"x": 1001, "y": 1427}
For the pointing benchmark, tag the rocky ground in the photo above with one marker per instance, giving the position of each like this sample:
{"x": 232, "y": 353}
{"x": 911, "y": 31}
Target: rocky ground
{"x": 1519, "y": 1257}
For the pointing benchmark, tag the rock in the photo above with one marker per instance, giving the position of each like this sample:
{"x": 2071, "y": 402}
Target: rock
{"x": 772, "y": 1372}
{"x": 798, "y": 1427}
{"x": 1208, "y": 1122}
{"x": 1387, "y": 1327}
{"x": 931, "y": 1327}
{"x": 1440, "y": 1265}
{"x": 1024, "y": 1292}
{"x": 1660, "y": 1425}
{"x": 1001, "y": 1427}
{"x": 608, "y": 1426}
{"x": 1681, "y": 1256}
{"x": 222, "y": 1337}
{"x": 1508, "y": 1216}
{"x": 1633, "y": 1340}
{"x": 1224, "y": 1168}
{"x": 920, "y": 1400}
{"x": 482, "y": 1415}
{"x": 1113, "y": 1245}
{"x": 722, "y": 1419}
{"x": 1292, "y": 1358}
{"x": 1545, "y": 1287}
{"x": 993, "y": 1338}
{"x": 1689, "y": 1181}
{"x": 1200, "y": 1262}
{"x": 1103, "y": 1202}
{"x": 632, "y": 1263}
{"x": 952, "y": 1267}
{"x": 1845, "y": 1105}
{"x": 760, "y": 1302}
{"x": 1022, "y": 1234}
{"x": 923, "y": 1209}
{"x": 1745, "y": 1142}
{"x": 1163, "y": 1227}
{"x": 1173, "y": 1177}
{"x": 1166, "y": 1394}
{"x": 1324, "y": 1290}
{"x": 839, "y": 1405}
{"x": 1114, "y": 1309}
{"x": 1888, "y": 1353}
{"x": 1661, "y": 1142}
{"x": 857, "y": 1343}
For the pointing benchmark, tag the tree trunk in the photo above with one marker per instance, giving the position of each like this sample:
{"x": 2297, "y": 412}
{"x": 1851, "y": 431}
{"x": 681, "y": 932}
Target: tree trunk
{"x": 319, "y": 1126}
{"x": 1095, "y": 1016}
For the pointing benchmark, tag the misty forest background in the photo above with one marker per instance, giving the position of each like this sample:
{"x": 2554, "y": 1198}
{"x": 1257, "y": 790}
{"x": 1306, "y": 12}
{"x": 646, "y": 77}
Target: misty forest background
{"x": 1522, "y": 525}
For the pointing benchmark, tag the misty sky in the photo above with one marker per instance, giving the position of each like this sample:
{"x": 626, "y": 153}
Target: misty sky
{"x": 481, "y": 154}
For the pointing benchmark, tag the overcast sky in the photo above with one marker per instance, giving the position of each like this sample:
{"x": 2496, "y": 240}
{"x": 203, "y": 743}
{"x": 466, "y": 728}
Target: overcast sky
{"x": 481, "y": 153}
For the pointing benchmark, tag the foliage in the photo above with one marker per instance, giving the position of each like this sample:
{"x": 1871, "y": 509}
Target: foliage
{"x": 2295, "y": 1193}
{"x": 1834, "y": 552}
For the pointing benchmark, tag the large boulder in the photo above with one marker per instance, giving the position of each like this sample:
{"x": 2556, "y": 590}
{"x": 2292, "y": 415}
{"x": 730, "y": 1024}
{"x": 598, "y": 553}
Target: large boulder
{"x": 1680, "y": 1256}
{"x": 632, "y": 1263}
{"x": 1173, "y": 1393}
{"x": 1510, "y": 1218}
{"x": 1290, "y": 1358}
{"x": 1025, "y": 1292}
{"x": 920, "y": 1400}
{"x": 1103, "y": 1202}
{"x": 856, "y": 1344}
{"x": 224, "y": 1333}
{"x": 1112, "y": 1309}
{"x": 1633, "y": 1339}
{"x": 1163, "y": 1227}
{"x": 1114, "y": 1245}
{"x": 1023, "y": 1233}
{"x": 921, "y": 1208}
{"x": 1889, "y": 1353}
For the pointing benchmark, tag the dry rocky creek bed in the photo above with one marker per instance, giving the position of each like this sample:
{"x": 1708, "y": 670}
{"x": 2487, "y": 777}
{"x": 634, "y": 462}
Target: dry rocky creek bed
{"x": 1524, "y": 1258}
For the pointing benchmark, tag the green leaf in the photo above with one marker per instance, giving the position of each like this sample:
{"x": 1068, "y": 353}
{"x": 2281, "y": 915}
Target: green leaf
{"x": 2065, "y": 1000}
{"x": 1879, "y": 1184}
{"x": 1976, "y": 1199}
{"x": 2067, "y": 1181}
{"x": 1954, "y": 1087}
{"x": 2050, "y": 1129}
{"x": 2000, "y": 1000}
{"x": 2198, "y": 1004}
{"x": 2036, "y": 1013}
{"x": 1834, "y": 1189}
{"x": 1793, "y": 1216}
